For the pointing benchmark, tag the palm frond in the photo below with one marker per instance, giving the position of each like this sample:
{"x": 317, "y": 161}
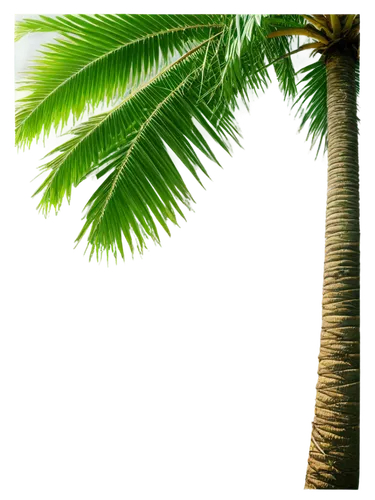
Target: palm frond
{"x": 130, "y": 144}
{"x": 97, "y": 59}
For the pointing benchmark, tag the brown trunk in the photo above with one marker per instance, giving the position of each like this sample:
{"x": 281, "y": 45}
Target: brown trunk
{"x": 334, "y": 451}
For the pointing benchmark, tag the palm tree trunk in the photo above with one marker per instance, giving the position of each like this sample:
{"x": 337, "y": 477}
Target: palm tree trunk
{"x": 334, "y": 451}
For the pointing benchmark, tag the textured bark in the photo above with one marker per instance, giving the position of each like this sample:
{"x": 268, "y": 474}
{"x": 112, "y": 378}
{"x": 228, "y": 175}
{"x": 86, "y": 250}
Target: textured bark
{"x": 334, "y": 451}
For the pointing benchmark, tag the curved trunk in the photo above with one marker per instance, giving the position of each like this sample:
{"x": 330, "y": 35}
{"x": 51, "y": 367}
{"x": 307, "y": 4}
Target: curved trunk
{"x": 334, "y": 451}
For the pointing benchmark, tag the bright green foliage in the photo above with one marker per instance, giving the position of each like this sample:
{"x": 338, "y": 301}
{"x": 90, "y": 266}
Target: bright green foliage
{"x": 97, "y": 59}
{"x": 172, "y": 83}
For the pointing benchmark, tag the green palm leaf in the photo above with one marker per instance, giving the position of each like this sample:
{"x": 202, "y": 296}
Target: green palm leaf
{"x": 99, "y": 58}
{"x": 129, "y": 143}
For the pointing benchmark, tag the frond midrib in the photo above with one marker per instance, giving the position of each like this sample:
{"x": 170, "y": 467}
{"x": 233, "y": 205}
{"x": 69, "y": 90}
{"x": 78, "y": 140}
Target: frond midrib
{"x": 142, "y": 128}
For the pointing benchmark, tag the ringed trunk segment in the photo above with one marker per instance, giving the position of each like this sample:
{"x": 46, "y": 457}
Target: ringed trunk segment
{"x": 334, "y": 450}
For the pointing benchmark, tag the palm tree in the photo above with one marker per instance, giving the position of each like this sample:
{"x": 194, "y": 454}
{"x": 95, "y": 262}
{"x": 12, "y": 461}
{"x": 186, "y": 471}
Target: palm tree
{"x": 171, "y": 82}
